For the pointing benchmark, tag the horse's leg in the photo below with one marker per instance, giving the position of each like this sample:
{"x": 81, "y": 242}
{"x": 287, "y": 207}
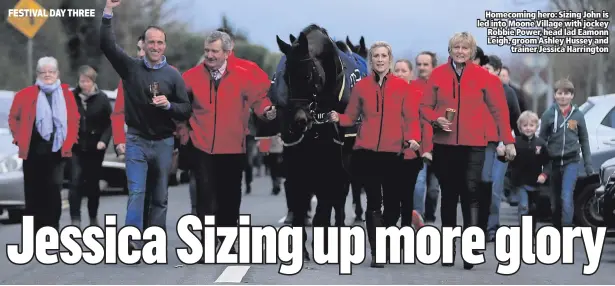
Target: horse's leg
{"x": 298, "y": 190}
{"x": 342, "y": 174}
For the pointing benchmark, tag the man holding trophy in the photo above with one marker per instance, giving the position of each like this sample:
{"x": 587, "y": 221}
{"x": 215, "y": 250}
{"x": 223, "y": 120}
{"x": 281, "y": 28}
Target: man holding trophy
{"x": 155, "y": 95}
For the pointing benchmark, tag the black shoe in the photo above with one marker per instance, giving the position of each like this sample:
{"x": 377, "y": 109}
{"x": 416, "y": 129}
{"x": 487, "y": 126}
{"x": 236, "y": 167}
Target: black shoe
{"x": 289, "y": 218}
{"x": 306, "y": 255}
{"x": 374, "y": 264}
{"x": 131, "y": 247}
{"x": 446, "y": 264}
{"x": 467, "y": 265}
{"x": 276, "y": 190}
{"x": 248, "y": 189}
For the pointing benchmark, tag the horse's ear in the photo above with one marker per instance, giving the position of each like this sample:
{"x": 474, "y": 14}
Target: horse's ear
{"x": 349, "y": 43}
{"x": 292, "y": 38}
{"x": 303, "y": 42}
{"x": 362, "y": 47}
{"x": 284, "y": 47}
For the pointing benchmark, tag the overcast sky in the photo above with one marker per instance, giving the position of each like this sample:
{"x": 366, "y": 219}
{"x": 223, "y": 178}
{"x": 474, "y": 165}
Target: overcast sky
{"x": 409, "y": 26}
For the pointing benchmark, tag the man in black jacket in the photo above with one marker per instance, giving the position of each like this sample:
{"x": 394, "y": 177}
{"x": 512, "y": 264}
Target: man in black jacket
{"x": 155, "y": 95}
{"x": 498, "y": 168}
{"x": 505, "y": 77}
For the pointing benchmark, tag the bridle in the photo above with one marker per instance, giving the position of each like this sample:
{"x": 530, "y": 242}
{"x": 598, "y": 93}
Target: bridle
{"x": 312, "y": 102}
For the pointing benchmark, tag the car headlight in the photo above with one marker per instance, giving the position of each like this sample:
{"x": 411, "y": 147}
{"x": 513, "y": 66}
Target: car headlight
{"x": 605, "y": 173}
{"x": 11, "y": 164}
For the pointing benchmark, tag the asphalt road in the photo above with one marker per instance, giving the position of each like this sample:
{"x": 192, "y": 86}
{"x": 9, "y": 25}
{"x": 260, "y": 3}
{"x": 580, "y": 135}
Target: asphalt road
{"x": 270, "y": 210}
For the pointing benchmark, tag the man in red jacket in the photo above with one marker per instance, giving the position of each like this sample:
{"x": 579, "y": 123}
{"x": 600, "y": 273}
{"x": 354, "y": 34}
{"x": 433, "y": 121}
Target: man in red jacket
{"x": 220, "y": 91}
{"x": 258, "y": 75}
{"x": 427, "y": 189}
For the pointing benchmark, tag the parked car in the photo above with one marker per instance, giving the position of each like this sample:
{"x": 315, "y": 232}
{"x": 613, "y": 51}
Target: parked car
{"x": 11, "y": 174}
{"x": 113, "y": 175}
{"x": 605, "y": 194}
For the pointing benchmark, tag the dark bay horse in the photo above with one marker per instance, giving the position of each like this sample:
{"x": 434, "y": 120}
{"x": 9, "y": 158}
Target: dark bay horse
{"x": 315, "y": 79}
{"x": 361, "y": 49}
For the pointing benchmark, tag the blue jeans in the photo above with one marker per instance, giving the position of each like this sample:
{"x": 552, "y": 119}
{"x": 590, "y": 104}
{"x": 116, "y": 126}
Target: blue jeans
{"x": 563, "y": 181}
{"x": 148, "y": 163}
{"x": 426, "y": 193}
{"x": 494, "y": 171}
{"x": 526, "y": 194}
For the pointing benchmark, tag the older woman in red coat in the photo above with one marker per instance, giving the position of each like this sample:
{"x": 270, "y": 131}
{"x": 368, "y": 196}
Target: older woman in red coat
{"x": 44, "y": 121}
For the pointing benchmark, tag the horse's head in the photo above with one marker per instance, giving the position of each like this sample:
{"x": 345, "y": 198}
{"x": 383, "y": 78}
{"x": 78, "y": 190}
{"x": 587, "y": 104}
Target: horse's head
{"x": 361, "y": 49}
{"x": 310, "y": 75}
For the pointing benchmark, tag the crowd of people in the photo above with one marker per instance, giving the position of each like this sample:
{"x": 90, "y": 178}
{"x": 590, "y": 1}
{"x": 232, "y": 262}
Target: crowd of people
{"x": 452, "y": 131}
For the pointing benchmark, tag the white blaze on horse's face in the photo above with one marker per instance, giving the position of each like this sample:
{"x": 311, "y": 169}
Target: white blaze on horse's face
{"x": 461, "y": 52}
{"x": 381, "y": 60}
{"x": 215, "y": 55}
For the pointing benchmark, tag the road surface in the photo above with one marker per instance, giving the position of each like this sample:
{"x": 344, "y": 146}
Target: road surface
{"x": 270, "y": 210}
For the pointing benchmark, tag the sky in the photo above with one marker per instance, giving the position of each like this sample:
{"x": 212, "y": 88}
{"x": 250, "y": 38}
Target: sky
{"x": 410, "y": 26}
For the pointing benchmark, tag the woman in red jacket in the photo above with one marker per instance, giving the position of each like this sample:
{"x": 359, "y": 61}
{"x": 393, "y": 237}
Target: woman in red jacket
{"x": 455, "y": 100}
{"x": 44, "y": 121}
{"x": 389, "y": 109}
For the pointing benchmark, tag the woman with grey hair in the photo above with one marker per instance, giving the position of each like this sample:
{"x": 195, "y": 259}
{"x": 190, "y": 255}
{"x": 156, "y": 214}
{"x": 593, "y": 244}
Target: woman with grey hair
{"x": 89, "y": 152}
{"x": 44, "y": 122}
{"x": 458, "y": 102}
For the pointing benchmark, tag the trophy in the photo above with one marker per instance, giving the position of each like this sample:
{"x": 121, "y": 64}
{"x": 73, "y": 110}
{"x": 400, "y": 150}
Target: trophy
{"x": 450, "y": 116}
{"x": 154, "y": 88}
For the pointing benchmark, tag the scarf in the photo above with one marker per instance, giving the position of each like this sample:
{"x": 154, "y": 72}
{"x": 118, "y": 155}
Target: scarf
{"x": 50, "y": 117}
{"x": 85, "y": 95}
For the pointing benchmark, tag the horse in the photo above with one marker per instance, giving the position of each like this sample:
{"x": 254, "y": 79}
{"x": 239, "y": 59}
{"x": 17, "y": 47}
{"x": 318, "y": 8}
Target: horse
{"x": 361, "y": 49}
{"x": 313, "y": 78}
{"x": 360, "y": 60}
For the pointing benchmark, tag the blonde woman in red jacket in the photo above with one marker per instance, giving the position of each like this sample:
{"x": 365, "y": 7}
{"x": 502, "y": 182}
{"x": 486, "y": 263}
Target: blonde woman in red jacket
{"x": 389, "y": 110}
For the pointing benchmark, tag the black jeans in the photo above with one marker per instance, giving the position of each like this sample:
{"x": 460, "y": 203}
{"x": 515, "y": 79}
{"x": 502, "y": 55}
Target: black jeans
{"x": 86, "y": 167}
{"x": 218, "y": 186}
{"x": 250, "y": 159}
{"x": 458, "y": 169}
{"x": 411, "y": 169}
{"x": 43, "y": 176}
{"x": 382, "y": 175}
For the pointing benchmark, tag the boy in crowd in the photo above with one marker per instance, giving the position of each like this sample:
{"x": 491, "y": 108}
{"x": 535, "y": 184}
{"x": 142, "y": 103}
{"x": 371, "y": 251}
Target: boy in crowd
{"x": 563, "y": 127}
{"x": 529, "y": 169}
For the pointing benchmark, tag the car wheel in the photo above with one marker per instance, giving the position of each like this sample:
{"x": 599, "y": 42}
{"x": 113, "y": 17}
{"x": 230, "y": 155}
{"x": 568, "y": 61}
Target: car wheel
{"x": 173, "y": 180}
{"x": 184, "y": 177}
{"x": 15, "y": 215}
{"x": 586, "y": 208}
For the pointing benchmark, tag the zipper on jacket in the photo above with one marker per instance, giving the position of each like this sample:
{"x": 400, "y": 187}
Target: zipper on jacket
{"x": 377, "y": 101}
{"x": 213, "y": 139}
{"x": 458, "y": 105}
{"x": 564, "y": 142}
{"x": 211, "y": 85}
{"x": 381, "y": 114}
{"x": 453, "y": 88}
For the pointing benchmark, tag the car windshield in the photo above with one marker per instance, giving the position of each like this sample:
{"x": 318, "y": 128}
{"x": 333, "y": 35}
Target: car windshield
{"x": 586, "y": 106}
